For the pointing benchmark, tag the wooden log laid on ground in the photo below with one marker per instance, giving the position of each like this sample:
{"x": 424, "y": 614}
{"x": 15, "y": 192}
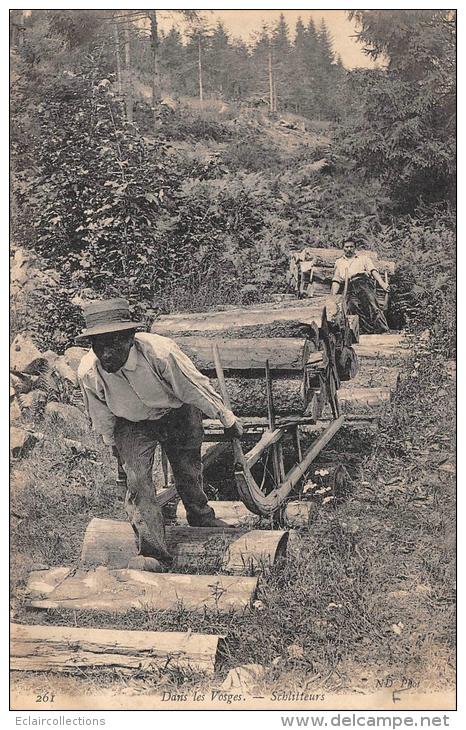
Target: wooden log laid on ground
{"x": 119, "y": 591}
{"x": 44, "y": 582}
{"x": 383, "y": 346}
{"x": 111, "y": 543}
{"x": 375, "y": 375}
{"x": 62, "y": 648}
{"x": 252, "y": 318}
{"x": 299, "y": 514}
{"x": 356, "y": 399}
{"x": 233, "y": 513}
{"x": 247, "y": 354}
{"x": 255, "y": 422}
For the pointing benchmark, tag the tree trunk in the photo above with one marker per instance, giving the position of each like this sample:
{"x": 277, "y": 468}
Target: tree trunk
{"x": 300, "y": 514}
{"x": 357, "y": 399}
{"x": 62, "y": 648}
{"x": 201, "y": 91}
{"x": 154, "y": 44}
{"x": 120, "y": 591}
{"x": 387, "y": 346}
{"x": 128, "y": 79}
{"x": 118, "y": 62}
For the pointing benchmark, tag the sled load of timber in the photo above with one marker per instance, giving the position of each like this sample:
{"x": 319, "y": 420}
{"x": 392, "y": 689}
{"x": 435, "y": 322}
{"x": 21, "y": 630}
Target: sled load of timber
{"x": 295, "y": 372}
{"x": 282, "y": 367}
{"x": 311, "y": 269}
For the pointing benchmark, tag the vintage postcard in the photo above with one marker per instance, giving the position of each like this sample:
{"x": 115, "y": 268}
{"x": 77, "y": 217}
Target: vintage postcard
{"x": 233, "y": 361}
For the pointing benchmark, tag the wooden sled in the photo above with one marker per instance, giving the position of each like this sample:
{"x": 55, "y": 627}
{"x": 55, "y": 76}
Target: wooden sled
{"x": 252, "y": 494}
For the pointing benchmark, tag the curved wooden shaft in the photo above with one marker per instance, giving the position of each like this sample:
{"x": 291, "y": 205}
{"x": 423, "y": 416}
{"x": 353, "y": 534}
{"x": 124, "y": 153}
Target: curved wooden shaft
{"x": 265, "y": 504}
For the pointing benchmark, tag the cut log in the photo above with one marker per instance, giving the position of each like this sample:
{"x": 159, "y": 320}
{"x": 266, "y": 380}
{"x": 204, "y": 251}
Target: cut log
{"x": 383, "y": 346}
{"x": 233, "y": 513}
{"x": 119, "y": 591}
{"x": 247, "y": 354}
{"x": 249, "y": 398}
{"x": 111, "y": 543}
{"x": 62, "y": 648}
{"x": 276, "y": 320}
{"x": 299, "y": 514}
{"x": 357, "y": 399}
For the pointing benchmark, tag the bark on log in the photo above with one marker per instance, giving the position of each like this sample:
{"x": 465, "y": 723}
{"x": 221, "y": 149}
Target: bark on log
{"x": 290, "y": 329}
{"x": 233, "y": 513}
{"x": 119, "y": 591}
{"x": 249, "y": 398}
{"x": 274, "y": 318}
{"x": 111, "y": 543}
{"x": 247, "y": 354}
{"x": 62, "y": 648}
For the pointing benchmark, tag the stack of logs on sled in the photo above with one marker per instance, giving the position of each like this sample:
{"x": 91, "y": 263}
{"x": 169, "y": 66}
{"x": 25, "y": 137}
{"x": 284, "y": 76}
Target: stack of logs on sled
{"x": 300, "y": 354}
{"x": 311, "y": 269}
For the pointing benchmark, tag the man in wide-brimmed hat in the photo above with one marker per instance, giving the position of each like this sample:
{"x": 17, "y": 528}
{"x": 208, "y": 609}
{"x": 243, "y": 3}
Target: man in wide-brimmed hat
{"x": 140, "y": 390}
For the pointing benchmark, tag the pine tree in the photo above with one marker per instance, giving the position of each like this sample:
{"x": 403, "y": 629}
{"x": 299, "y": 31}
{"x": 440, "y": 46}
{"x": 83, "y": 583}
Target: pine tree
{"x": 172, "y": 61}
{"x": 281, "y": 49}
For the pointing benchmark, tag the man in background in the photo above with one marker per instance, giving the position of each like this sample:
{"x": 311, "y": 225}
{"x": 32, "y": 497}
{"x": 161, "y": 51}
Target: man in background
{"x": 361, "y": 296}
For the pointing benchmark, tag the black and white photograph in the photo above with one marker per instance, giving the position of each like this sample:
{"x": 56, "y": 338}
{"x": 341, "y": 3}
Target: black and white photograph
{"x": 232, "y": 361}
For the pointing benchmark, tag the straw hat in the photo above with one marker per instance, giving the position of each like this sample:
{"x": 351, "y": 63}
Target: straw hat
{"x": 110, "y": 315}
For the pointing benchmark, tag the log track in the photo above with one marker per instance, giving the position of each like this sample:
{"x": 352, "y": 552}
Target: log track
{"x": 287, "y": 369}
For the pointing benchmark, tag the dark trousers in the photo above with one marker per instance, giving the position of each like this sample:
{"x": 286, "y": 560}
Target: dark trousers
{"x": 180, "y": 433}
{"x": 362, "y": 301}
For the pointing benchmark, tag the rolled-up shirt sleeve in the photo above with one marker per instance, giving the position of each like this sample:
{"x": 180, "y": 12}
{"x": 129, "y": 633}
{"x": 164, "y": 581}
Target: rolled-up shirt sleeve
{"x": 191, "y": 386}
{"x": 103, "y": 420}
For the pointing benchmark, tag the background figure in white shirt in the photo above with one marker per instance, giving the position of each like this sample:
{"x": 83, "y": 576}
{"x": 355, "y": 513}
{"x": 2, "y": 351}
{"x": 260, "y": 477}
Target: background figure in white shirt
{"x": 361, "y": 299}
{"x": 140, "y": 390}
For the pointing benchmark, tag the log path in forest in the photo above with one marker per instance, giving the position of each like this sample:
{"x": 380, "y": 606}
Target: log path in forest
{"x": 306, "y": 357}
